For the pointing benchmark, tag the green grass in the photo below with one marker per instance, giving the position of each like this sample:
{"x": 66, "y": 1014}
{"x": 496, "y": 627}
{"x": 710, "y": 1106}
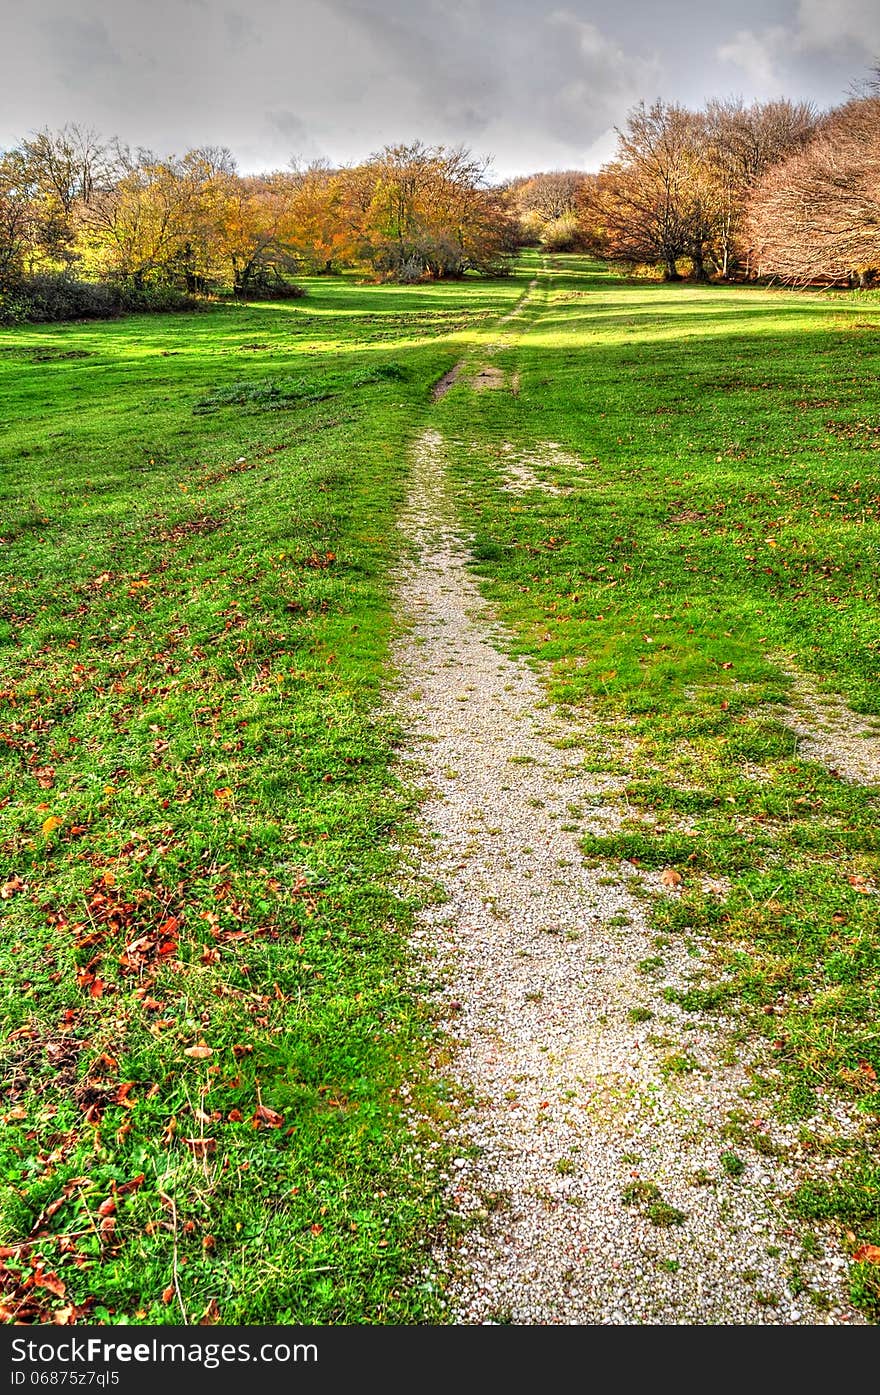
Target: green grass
{"x": 722, "y": 528}
{"x": 198, "y": 809}
{"x": 197, "y": 812}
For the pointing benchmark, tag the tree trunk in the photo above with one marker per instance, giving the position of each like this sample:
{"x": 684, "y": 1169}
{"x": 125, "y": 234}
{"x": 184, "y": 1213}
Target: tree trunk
{"x": 670, "y": 272}
{"x": 699, "y": 267}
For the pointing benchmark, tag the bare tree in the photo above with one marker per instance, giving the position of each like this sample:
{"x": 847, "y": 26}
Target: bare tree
{"x": 651, "y": 203}
{"x": 816, "y": 216}
{"x": 743, "y": 142}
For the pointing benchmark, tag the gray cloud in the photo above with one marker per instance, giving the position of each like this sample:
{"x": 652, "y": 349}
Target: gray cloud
{"x": 536, "y": 83}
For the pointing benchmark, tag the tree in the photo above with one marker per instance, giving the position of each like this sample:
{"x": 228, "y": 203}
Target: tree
{"x": 652, "y": 203}
{"x": 743, "y": 142}
{"x": 816, "y": 216}
{"x": 138, "y": 227}
{"x": 252, "y": 232}
{"x": 18, "y": 223}
{"x": 546, "y": 207}
{"x": 430, "y": 212}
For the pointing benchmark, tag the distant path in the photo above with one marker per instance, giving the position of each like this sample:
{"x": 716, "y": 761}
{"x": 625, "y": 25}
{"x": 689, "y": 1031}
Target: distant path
{"x": 592, "y": 1165}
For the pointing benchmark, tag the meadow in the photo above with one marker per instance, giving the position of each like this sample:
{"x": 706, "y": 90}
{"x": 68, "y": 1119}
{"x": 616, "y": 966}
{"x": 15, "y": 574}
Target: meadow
{"x": 214, "y": 1051}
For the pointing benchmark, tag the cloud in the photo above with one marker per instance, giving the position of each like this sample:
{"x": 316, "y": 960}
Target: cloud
{"x": 758, "y": 55}
{"x": 845, "y": 25}
{"x": 536, "y": 83}
{"x": 847, "y": 31}
{"x": 79, "y": 46}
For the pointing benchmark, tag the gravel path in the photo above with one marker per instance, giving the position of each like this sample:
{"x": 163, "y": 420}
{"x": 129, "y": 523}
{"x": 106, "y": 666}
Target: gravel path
{"x": 846, "y": 742}
{"x": 593, "y": 1166}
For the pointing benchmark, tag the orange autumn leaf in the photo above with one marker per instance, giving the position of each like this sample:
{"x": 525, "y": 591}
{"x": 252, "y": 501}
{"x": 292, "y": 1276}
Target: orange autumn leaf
{"x": 867, "y": 1254}
{"x": 669, "y": 877}
{"x": 267, "y": 1118}
{"x": 51, "y": 823}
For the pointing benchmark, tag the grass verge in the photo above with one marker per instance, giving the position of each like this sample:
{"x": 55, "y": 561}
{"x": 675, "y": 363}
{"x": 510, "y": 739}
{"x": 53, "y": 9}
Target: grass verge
{"x": 208, "y": 1025}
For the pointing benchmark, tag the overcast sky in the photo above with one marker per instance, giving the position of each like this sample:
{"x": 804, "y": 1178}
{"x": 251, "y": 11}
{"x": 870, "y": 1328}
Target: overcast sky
{"x": 534, "y": 83}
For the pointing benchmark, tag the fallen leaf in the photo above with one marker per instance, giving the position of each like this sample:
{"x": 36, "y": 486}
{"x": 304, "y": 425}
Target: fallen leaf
{"x": 669, "y": 877}
{"x": 15, "y": 884}
{"x": 867, "y": 1254}
{"x": 201, "y": 1052}
{"x": 224, "y": 793}
{"x": 51, "y": 823}
{"x": 270, "y": 1118}
{"x": 168, "y": 1293}
{"x": 201, "y": 1147}
{"x": 211, "y": 1315}
{"x": 859, "y": 884}
{"x": 131, "y": 1186}
{"x": 51, "y": 1282}
{"x": 107, "y": 1207}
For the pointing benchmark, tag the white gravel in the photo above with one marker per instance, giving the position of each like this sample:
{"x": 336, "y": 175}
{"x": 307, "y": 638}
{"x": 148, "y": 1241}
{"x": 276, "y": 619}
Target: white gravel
{"x": 539, "y": 961}
{"x": 847, "y": 743}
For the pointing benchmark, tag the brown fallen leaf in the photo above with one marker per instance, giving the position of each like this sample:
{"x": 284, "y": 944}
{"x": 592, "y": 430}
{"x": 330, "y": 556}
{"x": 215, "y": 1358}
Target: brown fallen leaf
{"x": 859, "y": 884}
{"x": 201, "y": 1147}
{"x": 266, "y": 1117}
{"x": 168, "y": 1294}
{"x": 107, "y": 1207}
{"x": 200, "y": 1052}
{"x": 10, "y": 888}
{"x": 669, "y": 877}
{"x": 867, "y": 1254}
{"x": 211, "y": 1315}
{"x": 131, "y": 1186}
{"x": 51, "y": 1282}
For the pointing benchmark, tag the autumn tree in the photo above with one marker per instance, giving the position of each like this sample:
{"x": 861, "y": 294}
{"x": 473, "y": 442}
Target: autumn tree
{"x": 252, "y": 231}
{"x": 653, "y": 202}
{"x": 743, "y": 143}
{"x": 324, "y": 216}
{"x": 18, "y": 221}
{"x": 431, "y": 212}
{"x": 546, "y": 207}
{"x": 816, "y": 215}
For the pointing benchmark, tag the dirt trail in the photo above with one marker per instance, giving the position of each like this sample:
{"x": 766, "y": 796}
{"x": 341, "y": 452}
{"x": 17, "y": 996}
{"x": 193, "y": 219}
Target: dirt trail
{"x": 594, "y": 1159}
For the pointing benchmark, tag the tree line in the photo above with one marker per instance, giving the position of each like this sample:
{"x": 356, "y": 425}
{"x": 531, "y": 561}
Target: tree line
{"x": 74, "y": 206}
{"x": 735, "y": 190}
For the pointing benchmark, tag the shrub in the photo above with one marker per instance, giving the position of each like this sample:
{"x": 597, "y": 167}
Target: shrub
{"x": 50, "y": 297}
